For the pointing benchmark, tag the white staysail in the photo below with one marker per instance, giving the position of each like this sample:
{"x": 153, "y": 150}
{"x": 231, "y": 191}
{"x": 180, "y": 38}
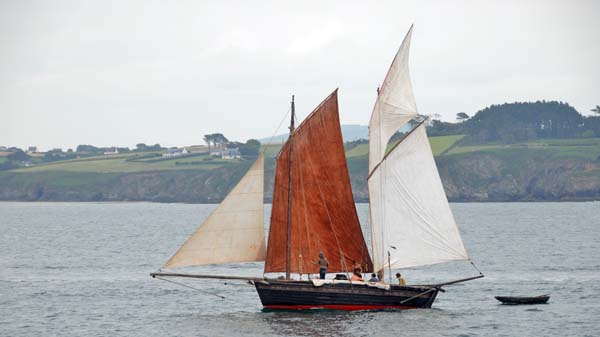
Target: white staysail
{"x": 395, "y": 104}
{"x": 409, "y": 209}
{"x": 234, "y": 232}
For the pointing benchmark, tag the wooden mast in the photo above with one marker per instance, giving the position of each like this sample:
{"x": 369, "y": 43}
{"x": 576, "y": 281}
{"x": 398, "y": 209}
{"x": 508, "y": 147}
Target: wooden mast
{"x": 288, "y": 254}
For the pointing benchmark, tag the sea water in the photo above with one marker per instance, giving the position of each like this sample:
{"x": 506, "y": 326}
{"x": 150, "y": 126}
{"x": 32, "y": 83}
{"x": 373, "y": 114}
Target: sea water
{"x": 82, "y": 269}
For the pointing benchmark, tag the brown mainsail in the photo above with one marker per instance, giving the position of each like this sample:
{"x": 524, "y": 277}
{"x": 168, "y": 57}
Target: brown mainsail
{"x": 323, "y": 215}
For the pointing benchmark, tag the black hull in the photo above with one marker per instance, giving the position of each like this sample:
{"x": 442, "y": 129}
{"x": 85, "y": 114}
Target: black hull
{"x": 523, "y": 300}
{"x": 301, "y": 295}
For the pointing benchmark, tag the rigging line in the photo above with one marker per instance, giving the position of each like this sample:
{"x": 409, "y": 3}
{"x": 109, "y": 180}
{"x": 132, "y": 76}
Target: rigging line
{"x": 418, "y": 295}
{"x": 279, "y": 126}
{"x": 474, "y": 266}
{"x": 185, "y": 285}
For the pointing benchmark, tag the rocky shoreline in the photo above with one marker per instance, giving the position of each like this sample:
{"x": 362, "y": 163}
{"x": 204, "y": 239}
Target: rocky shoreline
{"x": 473, "y": 177}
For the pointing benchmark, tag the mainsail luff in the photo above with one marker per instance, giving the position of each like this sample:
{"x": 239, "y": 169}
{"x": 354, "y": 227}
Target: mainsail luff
{"x": 234, "y": 231}
{"x": 324, "y": 217}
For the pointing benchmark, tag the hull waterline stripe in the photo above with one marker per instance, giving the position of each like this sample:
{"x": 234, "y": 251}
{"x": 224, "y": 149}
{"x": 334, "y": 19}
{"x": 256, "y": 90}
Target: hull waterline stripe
{"x": 347, "y": 307}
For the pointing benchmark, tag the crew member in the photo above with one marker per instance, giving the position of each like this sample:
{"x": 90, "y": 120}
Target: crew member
{"x": 401, "y": 280}
{"x": 323, "y": 264}
{"x": 357, "y": 275}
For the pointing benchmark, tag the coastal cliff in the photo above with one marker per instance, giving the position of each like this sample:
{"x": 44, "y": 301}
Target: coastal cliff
{"x": 511, "y": 175}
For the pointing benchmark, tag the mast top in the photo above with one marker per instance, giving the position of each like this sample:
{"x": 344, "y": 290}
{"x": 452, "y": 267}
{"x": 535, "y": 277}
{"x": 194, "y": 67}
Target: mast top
{"x": 293, "y": 108}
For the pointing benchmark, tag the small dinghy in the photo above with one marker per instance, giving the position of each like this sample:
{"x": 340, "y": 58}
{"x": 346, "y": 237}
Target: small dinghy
{"x": 523, "y": 299}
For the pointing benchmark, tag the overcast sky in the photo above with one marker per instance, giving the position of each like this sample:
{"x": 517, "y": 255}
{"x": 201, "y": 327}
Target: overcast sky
{"x": 123, "y": 72}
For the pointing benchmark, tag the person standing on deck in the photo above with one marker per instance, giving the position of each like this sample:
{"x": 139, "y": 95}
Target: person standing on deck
{"x": 401, "y": 280}
{"x": 323, "y": 264}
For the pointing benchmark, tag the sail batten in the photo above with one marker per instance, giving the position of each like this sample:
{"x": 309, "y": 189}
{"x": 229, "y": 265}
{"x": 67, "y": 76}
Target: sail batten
{"x": 234, "y": 231}
{"x": 323, "y": 214}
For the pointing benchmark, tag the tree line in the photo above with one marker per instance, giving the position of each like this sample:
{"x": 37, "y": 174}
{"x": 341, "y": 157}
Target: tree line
{"x": 521, "y": 121}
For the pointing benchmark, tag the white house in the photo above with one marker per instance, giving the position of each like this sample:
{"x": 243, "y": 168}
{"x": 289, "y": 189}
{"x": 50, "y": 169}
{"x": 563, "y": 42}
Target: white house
{"x": 175, "y": 152}
{"x": 231, "y": 153}
{"x": 108, "y": 153}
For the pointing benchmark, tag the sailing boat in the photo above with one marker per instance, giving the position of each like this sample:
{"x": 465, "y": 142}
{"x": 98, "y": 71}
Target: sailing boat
{"x": 411, "y": 221}
{"x": 314, "y": 212}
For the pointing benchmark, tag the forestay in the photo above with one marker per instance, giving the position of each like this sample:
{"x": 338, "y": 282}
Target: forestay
{"x": 409, "y": 209}
{"x": 234, "y": 231}
{"x": 395, "y": 104}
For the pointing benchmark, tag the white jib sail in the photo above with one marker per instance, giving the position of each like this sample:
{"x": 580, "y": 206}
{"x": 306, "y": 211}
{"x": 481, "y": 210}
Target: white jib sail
{"x": 395, "y": 104}
{"x": 234, "y": 231}
{"x": 409, "y": 209}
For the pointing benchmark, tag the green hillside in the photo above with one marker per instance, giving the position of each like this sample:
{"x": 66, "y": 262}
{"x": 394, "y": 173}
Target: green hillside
{"x": 129, "y": 163}
{"x": 136, "y": 162}
{"x": 583, "y": 148}
{"x": 549, "y": 169}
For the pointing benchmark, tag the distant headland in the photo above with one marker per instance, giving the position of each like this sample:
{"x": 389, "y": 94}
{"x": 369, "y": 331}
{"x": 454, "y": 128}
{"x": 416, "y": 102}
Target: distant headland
{"x": 522, "y": 151}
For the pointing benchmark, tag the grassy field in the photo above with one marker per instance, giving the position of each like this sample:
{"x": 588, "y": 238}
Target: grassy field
{"x": 122, "y": 163}
{"x": 438, "y": 146}
{"x": 588, "y": 148}
{"x": 152, "y": 161}
{"x": 271, "y": 150}
{"x": 358, "y": 151}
